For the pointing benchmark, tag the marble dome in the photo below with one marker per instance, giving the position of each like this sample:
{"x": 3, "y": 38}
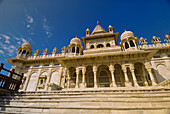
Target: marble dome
{"x": 75, "y": 41}
{"x": 125, "y": 35}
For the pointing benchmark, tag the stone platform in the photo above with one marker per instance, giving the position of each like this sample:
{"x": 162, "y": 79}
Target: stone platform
{"x": 121, "y": 100}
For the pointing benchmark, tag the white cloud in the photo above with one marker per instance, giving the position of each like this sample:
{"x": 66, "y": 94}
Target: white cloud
{"x": 28, "y": 26}
{"x": 1, "y": 51}
{"x": 19, "y": 42}
{"x": 6, "y": 38}
{"x": 46, "y": 28}
{"x": 23, "y": 40}
{"x": 30, "y": 19}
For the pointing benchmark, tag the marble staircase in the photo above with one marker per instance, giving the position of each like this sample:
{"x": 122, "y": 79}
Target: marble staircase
{"x": 148, "y": 100}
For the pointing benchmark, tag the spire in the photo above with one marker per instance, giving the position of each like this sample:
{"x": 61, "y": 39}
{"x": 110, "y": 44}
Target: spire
{"x": 98, "y": 29}
{"x": 97, "y": 22}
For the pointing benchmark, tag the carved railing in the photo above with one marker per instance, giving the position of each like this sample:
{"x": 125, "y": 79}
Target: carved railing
{"x": 8, "y": 82}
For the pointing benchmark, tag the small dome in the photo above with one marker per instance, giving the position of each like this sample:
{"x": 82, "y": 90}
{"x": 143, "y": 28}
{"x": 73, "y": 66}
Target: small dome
{"x": 87, "y": 29}
{"x": 75, "y": 41}
{"x": 126, "y": 35}
{"x": 27, "y": 45}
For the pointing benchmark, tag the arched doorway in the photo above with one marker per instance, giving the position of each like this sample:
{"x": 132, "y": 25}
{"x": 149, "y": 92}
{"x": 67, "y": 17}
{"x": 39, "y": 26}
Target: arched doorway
{"x": 103, "y": 76}
{"x": 139, "y": 73}
{"x": 89, "y": 76}
{"x": 119, "y": 76}
{"x": 72, "y": 73}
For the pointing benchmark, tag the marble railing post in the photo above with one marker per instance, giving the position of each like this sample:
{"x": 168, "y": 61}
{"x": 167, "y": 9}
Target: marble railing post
{"x": 111, "y": 68}
{"x": 95, "y": 76}
{"x": 77, "y": 78}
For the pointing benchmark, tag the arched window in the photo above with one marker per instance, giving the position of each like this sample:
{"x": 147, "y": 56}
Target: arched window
{"x": 126, "y": 45}
{"x": 92, "y": 46}
{"x": 100, "y": 46}
{"x": 103, "y": 73}
{"x": 108, "y": 45}
{"x": 27, "y": 53}
{"x": 24, "y": 52}
{"x": 77, "y": 51}
{"x": 131, "y": 43}
{"x": 73, "y": 49}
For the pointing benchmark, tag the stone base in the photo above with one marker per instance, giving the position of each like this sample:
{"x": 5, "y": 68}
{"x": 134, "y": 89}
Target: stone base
{"x": 53, "y": 86}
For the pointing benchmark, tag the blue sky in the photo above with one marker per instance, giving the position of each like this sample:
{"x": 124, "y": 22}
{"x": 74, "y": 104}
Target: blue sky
{"x": 53, "y": 23}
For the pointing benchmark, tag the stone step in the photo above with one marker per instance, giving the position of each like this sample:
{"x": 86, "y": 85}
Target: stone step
{"x": 87, "y": 94}
{"x": 89, "y": 100}
{"x": 89, "y": 103}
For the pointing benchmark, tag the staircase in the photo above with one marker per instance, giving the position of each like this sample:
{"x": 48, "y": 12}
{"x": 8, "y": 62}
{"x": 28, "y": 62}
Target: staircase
{"x": 148, "y": 100}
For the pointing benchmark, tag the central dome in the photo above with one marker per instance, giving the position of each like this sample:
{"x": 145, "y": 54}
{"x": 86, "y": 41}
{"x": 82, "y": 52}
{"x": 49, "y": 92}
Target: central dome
{"x": 126, "y": 35}
{"x": 75, "y": 41}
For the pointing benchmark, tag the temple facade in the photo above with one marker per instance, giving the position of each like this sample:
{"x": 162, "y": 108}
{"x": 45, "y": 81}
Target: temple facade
{"x": 96, "y": 62}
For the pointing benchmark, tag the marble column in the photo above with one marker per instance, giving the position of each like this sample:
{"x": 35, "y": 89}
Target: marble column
{"x": 83, "y": 77}
{"x": 27, "y": 80}
{"x": 144, "y": 76}
{"x": 151, "y": 76}
{"x": 134, "y": 77}
{"x": 77, "y": 78}
{"x": 95, "y": 76}
{"x": 111, "y": 68}
{"x": 127, "y": 83}
{"x": 68, "y": 79}
{"x": 48, "y": 77}
{"x": 149, "y": 69}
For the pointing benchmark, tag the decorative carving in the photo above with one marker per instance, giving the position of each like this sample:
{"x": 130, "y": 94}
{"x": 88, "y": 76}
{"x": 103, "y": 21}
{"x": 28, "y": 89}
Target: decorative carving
{"x": 37, "y": 52}
{"x": 45, "y": 51}
{"x": 142, "y": 41}
{"x": 55, "y": 51}
{"x": 167, "y": 38}
{"x": 156, "y": 40}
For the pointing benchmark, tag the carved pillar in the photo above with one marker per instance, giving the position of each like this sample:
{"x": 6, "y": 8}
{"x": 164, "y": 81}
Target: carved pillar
{"x": 149, "y": 69}
{"x": 134, "y": 77}
{"x": 48, "y": 77}
{"x": 27, "y": 80}
{"x": 83, "y": 77}
{"x": 76, "y": 50}
{"x": 127, "y": 83}
{"x": 95, "y": 77}
{"x": 39, "y": 73}
{"x": 68, "y": 79}
{"x": 77, "y": 77}
{"x": 64, "y": 77}
{"x": 111, "y": 68}
{"x": 144, "y": 76}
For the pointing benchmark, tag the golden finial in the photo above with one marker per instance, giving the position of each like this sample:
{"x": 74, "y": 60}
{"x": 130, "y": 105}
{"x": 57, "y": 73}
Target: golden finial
{"x": 97, "y": 22}
{"x": 124, "y": 29}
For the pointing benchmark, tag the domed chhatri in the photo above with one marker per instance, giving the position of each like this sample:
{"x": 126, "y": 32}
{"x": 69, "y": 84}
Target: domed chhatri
{"x": 76, "y": 41}
{"x": 27, "y": 45}
{"x": 125, "y": 35}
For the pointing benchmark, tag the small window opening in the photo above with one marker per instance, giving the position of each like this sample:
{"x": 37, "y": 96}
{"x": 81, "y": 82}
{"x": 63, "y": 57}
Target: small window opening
{"x": 126, "y": 45}
{"x": 107, "y": 45}
{"x": 73, "y": 49}
{"x": 100, "y": 46}
{"x": 92, "y": 46}
{"x": 41, "y": 81}
{"x": 77, "y": 51}
{"x": 131, "y": 43}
